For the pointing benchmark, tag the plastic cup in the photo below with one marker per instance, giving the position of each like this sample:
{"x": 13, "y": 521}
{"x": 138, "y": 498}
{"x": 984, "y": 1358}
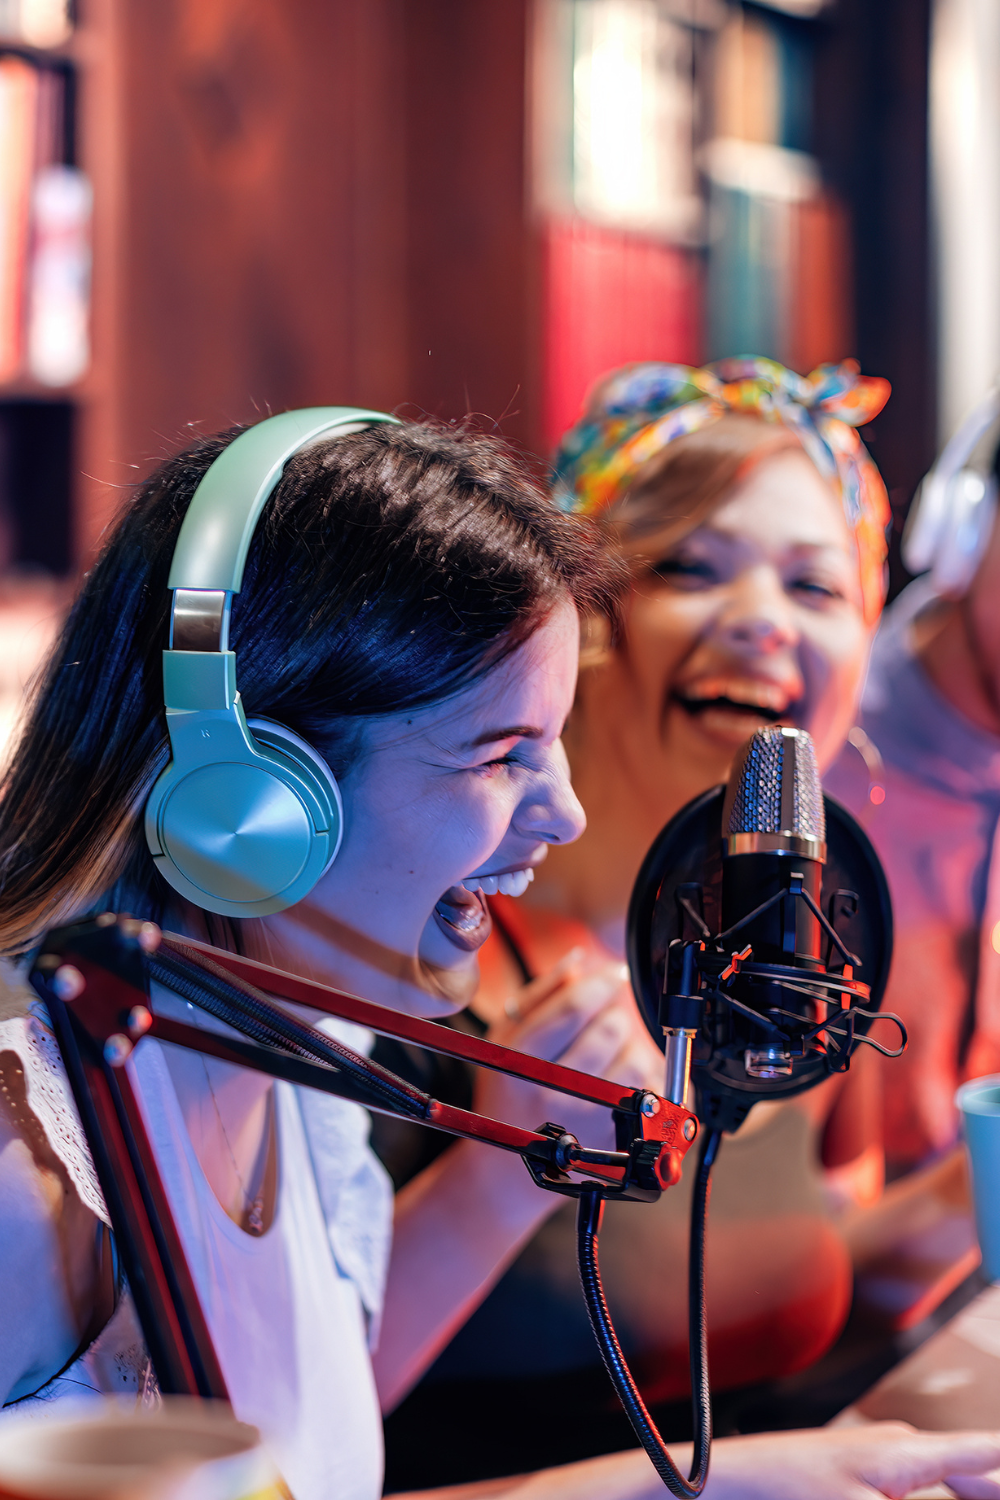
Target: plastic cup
{"x": 182, "y": 1450}
{"x": 979, "y": 1103}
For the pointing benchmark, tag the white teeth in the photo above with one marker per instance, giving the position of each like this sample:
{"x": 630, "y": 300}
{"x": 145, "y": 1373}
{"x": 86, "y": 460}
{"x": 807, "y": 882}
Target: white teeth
{"x": 749, "y": 694}
{"x": 513, "y": 883}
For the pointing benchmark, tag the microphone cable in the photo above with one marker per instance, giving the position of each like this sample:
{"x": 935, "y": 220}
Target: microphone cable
{"x": 588, "y": 1224}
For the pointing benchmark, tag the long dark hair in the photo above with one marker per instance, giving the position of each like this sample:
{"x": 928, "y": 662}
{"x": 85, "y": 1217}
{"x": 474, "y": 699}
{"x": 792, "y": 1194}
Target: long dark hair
{"x": 393, "y": 567}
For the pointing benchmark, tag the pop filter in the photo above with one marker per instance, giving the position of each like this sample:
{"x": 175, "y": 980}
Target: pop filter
{"x": 811, "y": 903}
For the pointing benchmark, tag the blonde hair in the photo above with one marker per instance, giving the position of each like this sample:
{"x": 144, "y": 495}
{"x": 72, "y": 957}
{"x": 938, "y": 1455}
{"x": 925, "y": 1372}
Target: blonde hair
{"x": 679, "y": 488}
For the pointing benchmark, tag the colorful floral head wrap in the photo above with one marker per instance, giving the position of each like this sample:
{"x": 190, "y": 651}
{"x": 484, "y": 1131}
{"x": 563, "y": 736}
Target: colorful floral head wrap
{"x": 635, "y": 412}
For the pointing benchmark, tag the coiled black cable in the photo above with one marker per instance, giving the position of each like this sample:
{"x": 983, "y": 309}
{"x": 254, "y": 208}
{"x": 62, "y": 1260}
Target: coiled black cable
{"x": 588, "y": 1225}
{"x": 250, "y": 1012}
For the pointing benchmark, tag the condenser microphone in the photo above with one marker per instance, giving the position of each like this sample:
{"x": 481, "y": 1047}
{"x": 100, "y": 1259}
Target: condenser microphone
{"x": 774, "y": 842}
{"x": 760, "y": 934}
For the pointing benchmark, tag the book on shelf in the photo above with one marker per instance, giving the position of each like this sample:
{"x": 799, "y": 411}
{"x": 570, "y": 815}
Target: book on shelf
{"x": 779, "y": 241}
{"x": 44, "y": 231}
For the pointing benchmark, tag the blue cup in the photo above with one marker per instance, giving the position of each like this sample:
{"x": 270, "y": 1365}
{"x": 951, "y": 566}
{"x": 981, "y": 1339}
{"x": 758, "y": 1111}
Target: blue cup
{"x": 979, "y": 1103}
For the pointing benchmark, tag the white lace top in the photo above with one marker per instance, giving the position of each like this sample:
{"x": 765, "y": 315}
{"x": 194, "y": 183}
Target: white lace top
{"x": 290, "y": 1310}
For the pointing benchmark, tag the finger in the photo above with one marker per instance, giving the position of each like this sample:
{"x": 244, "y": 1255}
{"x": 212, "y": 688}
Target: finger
{"x": 558, "y": 1021}
{"x": 600, "y": 1043}
{"x": 921, "y": 1458}
{"x": 969, "y": 1453}
{"x": 974, "y": 1486}
{"x": 531, "y": 995}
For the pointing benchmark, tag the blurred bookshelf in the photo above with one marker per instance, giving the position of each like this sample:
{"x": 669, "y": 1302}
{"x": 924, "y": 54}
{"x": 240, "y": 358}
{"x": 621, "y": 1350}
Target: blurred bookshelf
{"x": 45, "y": 210}
{"x": 682, "y": 211}
{"x": 726, "y": 177}
{"x": 779, "y": 248}
{"x": 443, "y": 208}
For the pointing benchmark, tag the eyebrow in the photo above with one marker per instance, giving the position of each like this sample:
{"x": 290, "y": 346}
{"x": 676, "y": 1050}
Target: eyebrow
{"x": 516, "y": 732}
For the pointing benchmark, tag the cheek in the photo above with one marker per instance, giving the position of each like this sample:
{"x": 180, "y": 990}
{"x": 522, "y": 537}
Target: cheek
{"x": 662, "y": 630}
{"x": 845, "y": 640}
{"x": 469, "y": 816}
{"x": 838, "y": 647}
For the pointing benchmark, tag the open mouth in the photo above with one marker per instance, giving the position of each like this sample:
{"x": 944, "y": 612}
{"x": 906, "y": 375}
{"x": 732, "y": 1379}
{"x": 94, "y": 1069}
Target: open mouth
{"x": 702, "y": 705}
{"x": 763, "y": 700}
{"x": 463, "y": 917}
{"x": 462, "y": 913}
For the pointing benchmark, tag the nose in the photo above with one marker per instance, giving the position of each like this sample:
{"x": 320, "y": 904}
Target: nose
{"x": 757, "y": 620}
{"x": 551, "y": 810}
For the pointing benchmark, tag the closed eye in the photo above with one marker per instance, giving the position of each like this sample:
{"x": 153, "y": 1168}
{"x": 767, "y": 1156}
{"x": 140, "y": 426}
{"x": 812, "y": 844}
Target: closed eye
{"x": 490, "y": 767}
{"x": 686, "y": 570}
{"x": 815, "y": 588}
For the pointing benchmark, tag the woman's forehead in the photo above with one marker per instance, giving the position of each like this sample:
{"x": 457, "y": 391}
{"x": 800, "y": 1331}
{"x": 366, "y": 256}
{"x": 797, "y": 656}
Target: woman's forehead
{"x": 536, "y": 679}
{"x": 783, "y": 501}
{"x": 530, "y": 692}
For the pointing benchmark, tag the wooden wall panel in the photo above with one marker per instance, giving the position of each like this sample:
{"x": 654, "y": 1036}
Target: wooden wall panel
{"x": 250, "y": 254}
{"x": 301, "y": 201}
{"x": 471, "y": 253}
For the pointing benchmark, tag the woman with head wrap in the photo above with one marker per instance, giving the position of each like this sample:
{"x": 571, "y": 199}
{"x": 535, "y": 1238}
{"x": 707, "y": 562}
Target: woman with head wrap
{"x": 753, "y": 522}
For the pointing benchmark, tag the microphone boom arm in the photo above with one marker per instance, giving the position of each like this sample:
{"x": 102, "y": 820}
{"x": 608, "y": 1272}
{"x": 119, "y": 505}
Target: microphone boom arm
{"x": 94, "y": 978}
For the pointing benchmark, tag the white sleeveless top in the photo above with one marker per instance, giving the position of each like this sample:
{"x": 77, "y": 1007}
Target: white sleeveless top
{"x": 290, "y": 1311}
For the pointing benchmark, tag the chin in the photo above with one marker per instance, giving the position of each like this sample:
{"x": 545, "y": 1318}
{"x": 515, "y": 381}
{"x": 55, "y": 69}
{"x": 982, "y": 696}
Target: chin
{"x": 442, "y": 989}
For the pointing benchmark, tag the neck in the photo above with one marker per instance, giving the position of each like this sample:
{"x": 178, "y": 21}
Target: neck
{"x": 948, "y": 647}
{"x": 227, "y": 1109}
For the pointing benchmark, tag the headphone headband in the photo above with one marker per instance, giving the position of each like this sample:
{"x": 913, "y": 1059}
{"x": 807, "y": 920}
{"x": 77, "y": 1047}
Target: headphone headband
{"x": 215, "y": 535}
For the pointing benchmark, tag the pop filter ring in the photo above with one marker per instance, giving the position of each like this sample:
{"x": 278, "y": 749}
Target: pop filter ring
{"x": 689, "y": 851}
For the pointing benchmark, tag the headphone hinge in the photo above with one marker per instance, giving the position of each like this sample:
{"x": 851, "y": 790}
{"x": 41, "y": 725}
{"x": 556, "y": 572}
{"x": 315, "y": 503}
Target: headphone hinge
{"x": 199, "y": 620}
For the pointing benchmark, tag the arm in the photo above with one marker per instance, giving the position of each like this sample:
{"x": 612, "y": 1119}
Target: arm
{"x": 887, "y": 1459}
{"x": 852, "y": 1151}
{"x": 56, "y": 1283}
{"x": 461, "y": 1222}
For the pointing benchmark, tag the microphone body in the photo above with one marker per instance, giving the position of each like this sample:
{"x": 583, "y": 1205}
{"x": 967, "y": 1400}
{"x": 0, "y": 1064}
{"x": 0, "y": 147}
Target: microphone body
{"x": 774, "y": 839}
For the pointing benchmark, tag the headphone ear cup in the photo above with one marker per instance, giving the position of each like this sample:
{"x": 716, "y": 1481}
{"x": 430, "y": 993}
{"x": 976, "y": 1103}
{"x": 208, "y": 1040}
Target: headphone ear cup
{"x": 970, "y": 508}
{"x": 246, "y": 825}
{"x": 276, "y": 737}
{"x": 951, "y": 517}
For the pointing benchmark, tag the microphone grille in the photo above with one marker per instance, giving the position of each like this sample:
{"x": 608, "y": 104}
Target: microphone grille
{"x": 774, "y": 786}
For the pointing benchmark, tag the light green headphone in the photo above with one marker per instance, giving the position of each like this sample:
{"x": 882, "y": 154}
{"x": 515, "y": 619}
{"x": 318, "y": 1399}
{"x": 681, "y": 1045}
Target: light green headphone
{"x": 247, "y": 816}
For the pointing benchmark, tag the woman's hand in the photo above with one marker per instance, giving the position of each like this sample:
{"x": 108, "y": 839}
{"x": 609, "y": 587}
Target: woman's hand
{"x": 887, "y": 1459}
{"x": 582, "y": 1016}
{"x": 854, "y": 1463}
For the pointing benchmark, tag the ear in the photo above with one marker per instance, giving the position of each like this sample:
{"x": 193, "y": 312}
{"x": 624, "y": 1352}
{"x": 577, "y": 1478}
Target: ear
{"x": 595, "y": 642}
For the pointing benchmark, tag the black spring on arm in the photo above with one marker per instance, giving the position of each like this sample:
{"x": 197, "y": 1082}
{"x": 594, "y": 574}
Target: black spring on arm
{"x": 588, "y": 1225}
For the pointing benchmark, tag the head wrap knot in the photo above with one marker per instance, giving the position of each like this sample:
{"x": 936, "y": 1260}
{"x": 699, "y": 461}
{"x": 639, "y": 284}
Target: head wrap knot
{"x": 635, "y": 412}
